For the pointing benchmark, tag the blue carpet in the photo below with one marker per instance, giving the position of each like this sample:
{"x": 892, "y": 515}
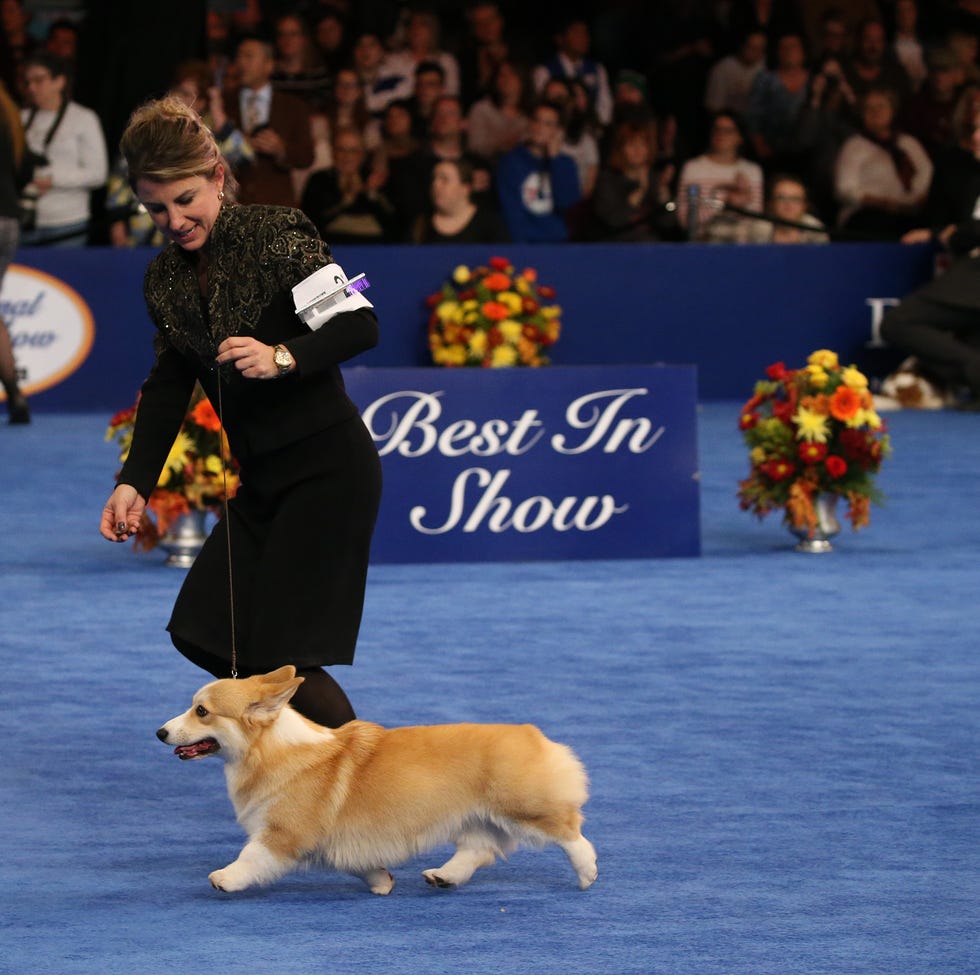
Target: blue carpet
{"x": 783, "y": 747}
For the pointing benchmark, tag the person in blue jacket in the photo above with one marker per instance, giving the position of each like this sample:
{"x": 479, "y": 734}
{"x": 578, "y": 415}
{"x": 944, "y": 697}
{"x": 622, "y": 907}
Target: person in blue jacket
{"x": 537, "y": 183}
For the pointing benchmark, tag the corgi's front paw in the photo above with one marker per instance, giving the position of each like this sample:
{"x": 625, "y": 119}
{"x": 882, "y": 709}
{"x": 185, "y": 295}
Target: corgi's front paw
{"x": 227, "y": 880}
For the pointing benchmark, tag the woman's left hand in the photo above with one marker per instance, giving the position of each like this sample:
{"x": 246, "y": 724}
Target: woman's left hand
{"x": 253, "y": 359}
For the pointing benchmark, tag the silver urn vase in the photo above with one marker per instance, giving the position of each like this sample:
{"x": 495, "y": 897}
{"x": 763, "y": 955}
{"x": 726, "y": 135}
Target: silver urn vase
{"x": 184, "y": 538}
{"x": 825, "y": 506}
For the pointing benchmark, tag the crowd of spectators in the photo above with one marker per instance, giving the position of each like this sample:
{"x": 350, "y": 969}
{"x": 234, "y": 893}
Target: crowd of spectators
{"x": 727, "y": 121}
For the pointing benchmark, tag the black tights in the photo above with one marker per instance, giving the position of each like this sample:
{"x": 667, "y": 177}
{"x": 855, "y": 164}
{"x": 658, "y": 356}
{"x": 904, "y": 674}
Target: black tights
{"x": 320, "y": 698}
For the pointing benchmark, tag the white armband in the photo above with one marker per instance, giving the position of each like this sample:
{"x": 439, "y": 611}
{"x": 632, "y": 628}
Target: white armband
{"x": 326, "y": 293}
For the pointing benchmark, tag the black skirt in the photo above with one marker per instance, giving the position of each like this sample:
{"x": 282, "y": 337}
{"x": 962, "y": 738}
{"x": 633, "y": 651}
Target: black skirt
{"x": 301, "y": 526}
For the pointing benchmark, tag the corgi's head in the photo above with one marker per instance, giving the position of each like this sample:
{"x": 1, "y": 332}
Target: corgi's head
{"x": 227, "y": 715}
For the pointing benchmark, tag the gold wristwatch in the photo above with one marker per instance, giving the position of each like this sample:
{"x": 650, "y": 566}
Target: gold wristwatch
{"x": 283, "y": 360}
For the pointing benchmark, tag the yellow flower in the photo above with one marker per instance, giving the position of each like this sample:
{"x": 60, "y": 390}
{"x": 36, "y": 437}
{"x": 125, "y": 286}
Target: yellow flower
{"x": 450, "y": 311}
{"x": 757, "y": 455}
{"x": 867, "y": 418}
{"x": 450, "y": 355}
{"x": 504, "y": 355}
{"x": 478, "y": 343}
{"x": 511, "y": 330}
{"x": 212, "y": 464}
{"x": 818, "y": 376}
{"x": 854, "y": 378}
{"x": 512, "y": 300}
{"x": 462, "y": 274}
{"x": 824, "y": 358}
{"x": 812, "y": 427}
{"x": 551, "y": 311}
{"x": 522, "y": 286}
{"x": 471, "y": 304}
{"x": 178, "y": 456}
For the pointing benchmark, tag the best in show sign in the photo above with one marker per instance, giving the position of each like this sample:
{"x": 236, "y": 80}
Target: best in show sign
{"x": 523, "y": 464}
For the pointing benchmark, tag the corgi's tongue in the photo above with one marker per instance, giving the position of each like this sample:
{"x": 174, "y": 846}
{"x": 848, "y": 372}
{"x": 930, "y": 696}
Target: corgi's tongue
{"x": 198, "y": 750}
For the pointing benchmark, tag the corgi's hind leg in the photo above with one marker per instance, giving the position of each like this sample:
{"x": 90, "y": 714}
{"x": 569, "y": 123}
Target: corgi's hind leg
{"x": 581, "y": 855}
{"x": 379, "y": 880}
{"x": 473, "y": 850}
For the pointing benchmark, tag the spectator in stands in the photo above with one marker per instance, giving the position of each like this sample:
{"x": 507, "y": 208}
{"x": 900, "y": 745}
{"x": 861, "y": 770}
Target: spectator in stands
{"x": 381, "y": 85}
{"x": 775, "y": 100}
{"x": 485, "y": 46}
{"x": 730, "y": 79}
{"x": 62, "y": 41}
{"x": 827, "y": 119}
{"x": 344, "y": 202}
{"x": 817, "y": 14}
{"x": 332, "y": 40}
{"x": 632, "y": 191}
{"x": 455, "y": 216}
{"x": 581, "y": 128}
{"x": 907, "y": 44}
{"x": 939, "y": 323}
{"x": 882, "y": 175}
{"x": 12, "y": 153}
{"x": 964, "y": 46}
{"x": 793, "y": 223}
{"x": 447, "y": 140}
{"x": 421, "y": 47}
{"x": 538, "y": 183}
{"x": 498, "y": 122}
{"x": 346, "y": 108}
{"x": 429, "y": 86}
{"x": 276, "y": 125}
{"x": 299, "y": 69}
{"x": 874, "y": 64}
{"x": 834, "y": 38}
{"x": 14, "y": 21}
{"x": 572, "y": 59}
{"x": 219, "y": 52}
{"x": 405, "y": 168}
{"x": 631, "y": 98}
{"x": 722, "y": 176}
{"x": 928, "y": 114}
{"x": 69, "y": 145}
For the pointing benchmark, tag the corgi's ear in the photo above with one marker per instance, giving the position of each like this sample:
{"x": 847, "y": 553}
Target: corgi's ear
{"x": 273, "y": 696}
{"x": 278, "y": 676}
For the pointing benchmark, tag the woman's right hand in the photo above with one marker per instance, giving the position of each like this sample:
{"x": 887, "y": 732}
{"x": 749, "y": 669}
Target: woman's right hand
{"x": 122, "y": 514}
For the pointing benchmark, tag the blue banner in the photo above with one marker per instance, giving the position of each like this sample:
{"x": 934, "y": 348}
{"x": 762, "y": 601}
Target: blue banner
{"x": 523, "y": 464}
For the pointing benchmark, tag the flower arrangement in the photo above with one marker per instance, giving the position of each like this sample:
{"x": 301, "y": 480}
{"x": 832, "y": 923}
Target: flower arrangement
{"x": 812, "y": 430}
{"x": 489, "y": 316}
{"x": 198, "y": 472}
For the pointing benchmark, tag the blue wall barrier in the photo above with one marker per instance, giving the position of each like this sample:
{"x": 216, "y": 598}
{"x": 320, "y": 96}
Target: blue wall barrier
{"x": 728, "y": 310}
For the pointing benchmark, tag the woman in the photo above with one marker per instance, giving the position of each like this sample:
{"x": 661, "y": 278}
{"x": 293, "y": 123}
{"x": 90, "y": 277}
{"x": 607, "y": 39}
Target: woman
{"x": 721, "y": 176}
{"x": 631, "y": 192}
{"x": 344, "y": 202}
{"x": 69, "y": 140}
{"x": 11, "y": 161}
{"x": 882, "y": 175}
{"x": 301, "y": 524}
{"x": 455, "y": 218}
{"x": 499, "y": 121}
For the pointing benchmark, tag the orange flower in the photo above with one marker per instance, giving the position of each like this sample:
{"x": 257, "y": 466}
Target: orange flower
{"x": 495, "y": 311}
{"x": 204, "y": 416}
{"x": 497, "y": 282}
{"x": 845, "y": 403}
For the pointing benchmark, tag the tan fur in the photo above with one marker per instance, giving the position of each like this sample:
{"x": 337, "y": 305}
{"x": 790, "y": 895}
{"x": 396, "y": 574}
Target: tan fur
{"x": 361, "y": 797}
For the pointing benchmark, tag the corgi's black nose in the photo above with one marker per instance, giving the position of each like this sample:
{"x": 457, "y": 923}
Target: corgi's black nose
{"x": 162, "y": 734}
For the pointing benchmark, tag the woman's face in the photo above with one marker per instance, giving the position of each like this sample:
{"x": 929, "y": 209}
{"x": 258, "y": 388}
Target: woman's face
{"x": 397, "y": 122}
{"x": 789, "y": 52}
{"x": 636, "y": 152}
{"x": 346, "y": 87}
{"x": 185, "y": 210}
{"x": 725, "y": 136}
{"x": 877, "y": 112}
{"x": 448, "y": 190}
{"x": 348, "y": 153}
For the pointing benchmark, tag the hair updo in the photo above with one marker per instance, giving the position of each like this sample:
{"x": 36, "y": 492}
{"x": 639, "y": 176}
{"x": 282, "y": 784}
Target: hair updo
{"x": 165, "y": 140}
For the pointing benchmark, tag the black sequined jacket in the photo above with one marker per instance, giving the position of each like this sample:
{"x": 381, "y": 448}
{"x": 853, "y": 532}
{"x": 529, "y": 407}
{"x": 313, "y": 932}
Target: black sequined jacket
{"x": 256, "y": 254}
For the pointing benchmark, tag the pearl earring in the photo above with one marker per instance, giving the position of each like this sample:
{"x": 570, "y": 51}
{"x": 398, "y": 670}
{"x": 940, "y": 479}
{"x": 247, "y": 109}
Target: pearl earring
{"x": 221, "y": 194}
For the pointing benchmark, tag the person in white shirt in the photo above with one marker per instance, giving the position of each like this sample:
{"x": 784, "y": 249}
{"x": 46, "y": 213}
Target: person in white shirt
{"x": 722, "y": 176}
{"x": 730, "y": 79}
{"x": 69, "y": 148}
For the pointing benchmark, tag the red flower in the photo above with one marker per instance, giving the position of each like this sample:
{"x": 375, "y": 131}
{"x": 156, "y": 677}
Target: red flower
{"x": 546, "y": 291}
{"x": 529, "y": 306}
{"x": 778, "y": 470}
{"x": 777, "y": 371}
{"x": 495, "y": 311}
{"x": 836, "y": 466}
{"x": 433, "y": 300}
{"x": 497, "y": 282}
{"x": 812, "y": 453}
{"x": 747, "y": 420}
{"x": 499, "y": 263}
{"x": 783, "y": 411}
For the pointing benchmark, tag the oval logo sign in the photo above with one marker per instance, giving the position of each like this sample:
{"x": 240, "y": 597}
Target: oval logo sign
{"x": 50, "y": 325}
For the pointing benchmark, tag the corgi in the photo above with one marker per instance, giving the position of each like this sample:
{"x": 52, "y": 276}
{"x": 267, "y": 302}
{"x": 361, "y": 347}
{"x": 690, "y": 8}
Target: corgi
{"x": 360, "y": 797}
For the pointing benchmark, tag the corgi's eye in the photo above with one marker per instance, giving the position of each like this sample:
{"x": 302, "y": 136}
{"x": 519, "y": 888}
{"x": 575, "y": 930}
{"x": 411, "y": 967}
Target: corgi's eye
{"x": 201, "y": 711}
